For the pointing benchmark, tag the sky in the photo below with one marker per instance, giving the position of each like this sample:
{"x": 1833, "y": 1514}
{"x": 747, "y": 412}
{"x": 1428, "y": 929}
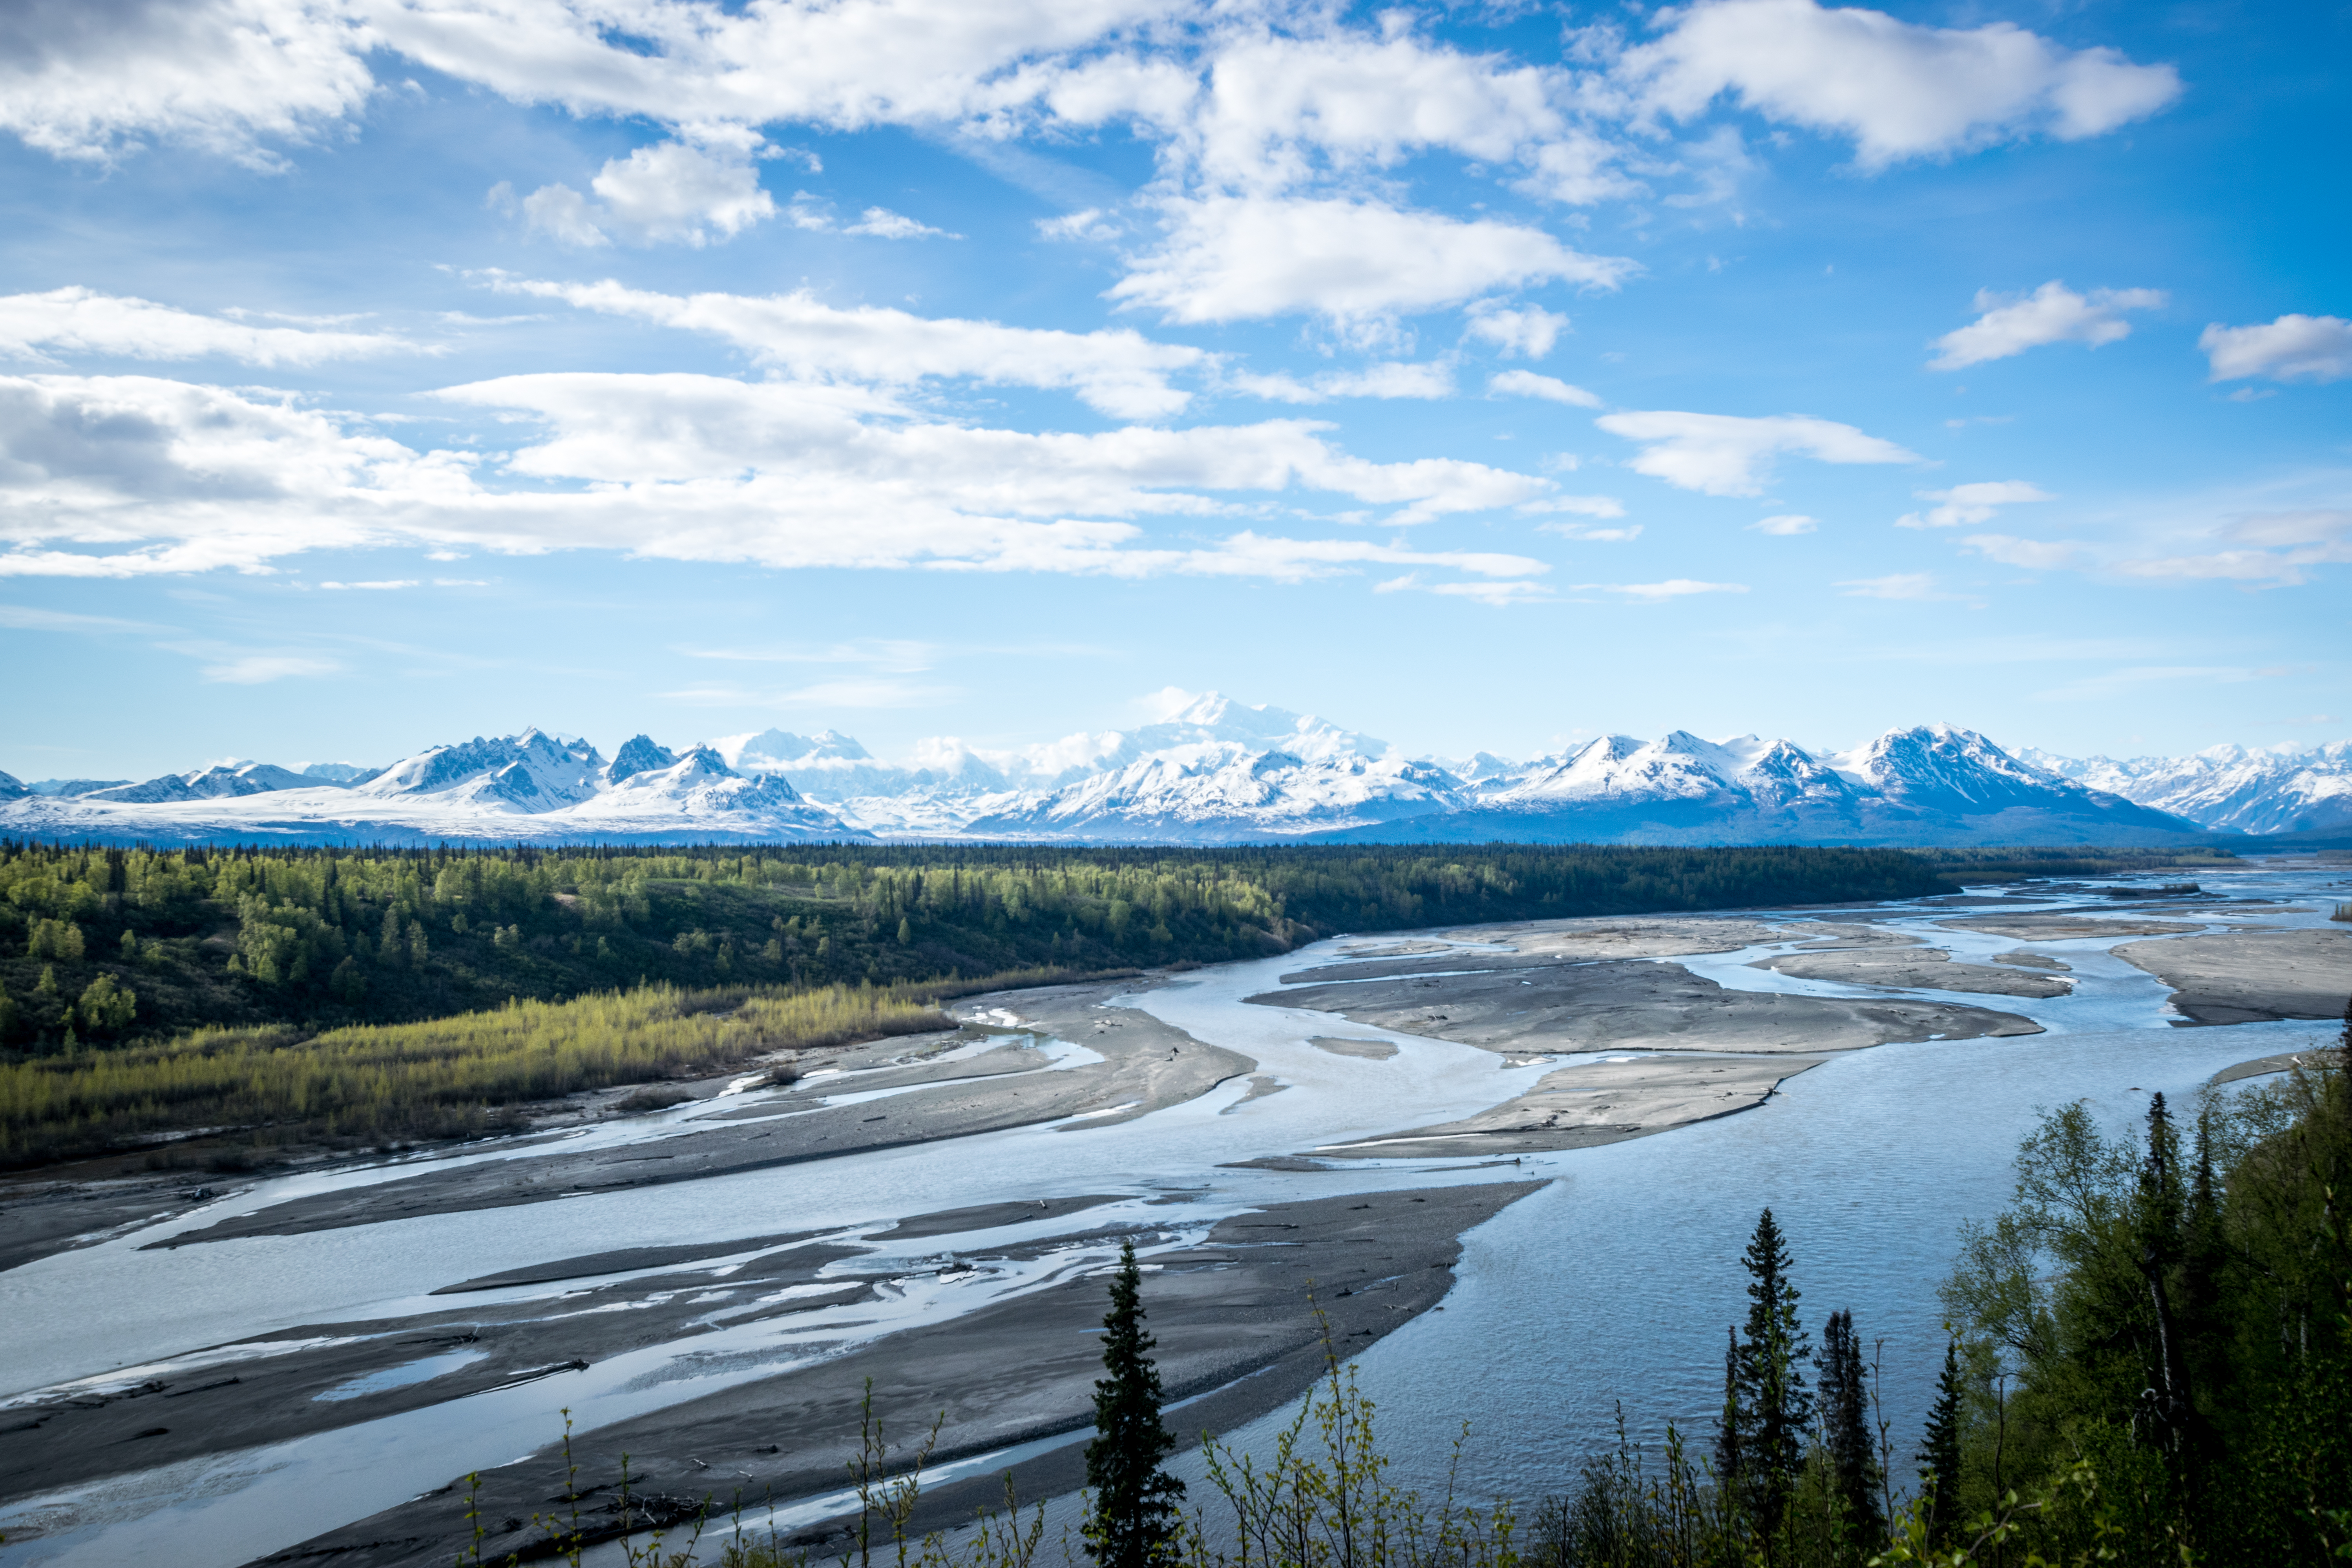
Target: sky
{"x": 376, "y": 373}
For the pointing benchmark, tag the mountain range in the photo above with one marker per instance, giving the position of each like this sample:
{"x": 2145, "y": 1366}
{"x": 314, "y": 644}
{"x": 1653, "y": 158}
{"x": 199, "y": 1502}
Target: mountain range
{"x": 1218, "y": 770}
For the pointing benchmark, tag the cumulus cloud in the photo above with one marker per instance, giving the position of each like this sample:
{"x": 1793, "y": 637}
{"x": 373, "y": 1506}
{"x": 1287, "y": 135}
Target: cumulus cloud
{"x": 672, "y": 193}
{"x": 1973, "y": 504}
{"x": 1120, "y": 372}
{"x": 1389, "y": 380}
{"x": 1527, "y": 384}
{"x": 1531, "y": 331}
{"x": 2053, "y": 313}
{"x": 1230, "y": 258}
{"x": 97, "y": 79}
{"x": 1725, "y": 455}
{"x": 1900, "y": 90}
{"x": 77, "y": 320}
{"x": 681, "y": 194}
{"x": 2293, "y": 348}
{"x": 133, "y": 476}
{"x": 1786, "y": 524}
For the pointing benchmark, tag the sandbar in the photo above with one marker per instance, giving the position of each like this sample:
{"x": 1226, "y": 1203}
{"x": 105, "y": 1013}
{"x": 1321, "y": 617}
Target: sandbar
{"x": 2244, "y": 977}
{"x": 1911, "y": 969}
{"x": 1592, "y": 1103}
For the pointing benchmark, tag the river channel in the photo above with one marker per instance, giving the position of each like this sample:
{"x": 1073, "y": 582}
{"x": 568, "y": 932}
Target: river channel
{"x": 1613, "y": 1283}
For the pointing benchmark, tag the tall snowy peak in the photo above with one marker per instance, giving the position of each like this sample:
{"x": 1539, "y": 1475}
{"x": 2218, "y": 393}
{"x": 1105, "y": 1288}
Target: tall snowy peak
{"x": 1943, "y": 764}
{"x": 13, "y": 788}
{"x": 528, "y": 772}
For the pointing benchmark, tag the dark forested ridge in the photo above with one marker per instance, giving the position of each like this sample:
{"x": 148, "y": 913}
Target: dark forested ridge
{"x": 102, "y": 946}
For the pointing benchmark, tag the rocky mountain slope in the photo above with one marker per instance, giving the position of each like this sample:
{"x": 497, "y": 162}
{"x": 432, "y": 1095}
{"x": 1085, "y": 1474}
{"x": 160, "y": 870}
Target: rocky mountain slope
{"x": 1218, "y": 770}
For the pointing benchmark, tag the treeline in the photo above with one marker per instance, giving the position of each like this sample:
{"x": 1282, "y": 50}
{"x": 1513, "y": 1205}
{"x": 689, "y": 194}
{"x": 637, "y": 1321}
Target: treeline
{"x": 2152, "y": 1367}
{"x": 447, "y": 1077}
{"x": 102, "y": 947}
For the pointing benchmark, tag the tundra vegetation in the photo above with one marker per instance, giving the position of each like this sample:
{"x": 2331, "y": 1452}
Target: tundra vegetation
{"x": 287, "y": 994}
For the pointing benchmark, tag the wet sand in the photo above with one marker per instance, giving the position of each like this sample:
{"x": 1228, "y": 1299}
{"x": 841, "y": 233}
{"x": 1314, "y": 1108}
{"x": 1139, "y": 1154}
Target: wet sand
{"x": 1591, "y": 1103}
{"x": 1552, "y": 1009}
{"x": 1911, "y": 969}
{"x": 2064, "y": 925}
{"x": 1233, "y": 1305}
{"x": 2241, "y": 977}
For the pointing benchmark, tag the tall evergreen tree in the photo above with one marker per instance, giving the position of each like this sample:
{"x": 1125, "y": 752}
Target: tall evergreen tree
{"x": 1845, "y": 1430}
{"x": 2166, "y": 1403}
{"x": 1774, "y": 1409}
{"x": 1132, "y": 1523}
{"x": 1730, "y": 1451}
{"x": 1940, "y": 1454}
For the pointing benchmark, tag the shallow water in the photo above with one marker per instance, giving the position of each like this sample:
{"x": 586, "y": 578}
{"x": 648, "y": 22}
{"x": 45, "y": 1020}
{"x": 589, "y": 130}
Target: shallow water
{"x": 1615, "y": 1283}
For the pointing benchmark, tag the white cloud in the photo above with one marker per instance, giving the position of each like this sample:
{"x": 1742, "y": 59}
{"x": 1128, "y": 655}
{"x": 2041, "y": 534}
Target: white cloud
{"x": 82, "y": 79}
{"x": 2053, "y": 313}
{"x": 1897, "y": 585}
{"x": 1229, "y": 259}
{"x": 881, "y": 223}
{"x": 1969, "y": 503}
{"x": 1531, "y": 331}
{"x": 1584, "y": 533}
{"x": 1725, "y": 455}
{"x": 671, "y": 192}
{"x": 675, "y": 193}
{"x": 1786, "y": 524}
{"x": 1513, "y": 591}
{"x": 1527, "y": 384}
{"x": 1582, "y": 506}
{"x": 232, "y": 667}
{"x": 2033, "y": 554}
{"x": 81, "y": 320}
{"x": 2293, "y": 348}
{"x": 558, "y": 212}
{"x": 1389, "y": 380}
{"x": 1090, "y": 223}
{"x": 2271, "y": 550}
{"x": 132, "y": 476}
{"x": 381, "y": 585}
{"x": 1675, "y": 588}
{"x": 1120, "y": 372}
{"x": 1900, "y": 90}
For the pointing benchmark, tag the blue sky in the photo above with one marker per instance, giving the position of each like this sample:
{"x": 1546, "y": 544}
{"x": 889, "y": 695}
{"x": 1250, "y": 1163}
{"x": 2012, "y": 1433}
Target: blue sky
{"x": 384, "y": 372}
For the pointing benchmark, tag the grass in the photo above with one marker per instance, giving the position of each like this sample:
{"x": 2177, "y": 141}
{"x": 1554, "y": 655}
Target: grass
{"x": 449, "y": 1076}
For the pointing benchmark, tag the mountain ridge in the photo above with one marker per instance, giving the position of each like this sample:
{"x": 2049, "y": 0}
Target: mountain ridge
{"x": 1212, "y": 770}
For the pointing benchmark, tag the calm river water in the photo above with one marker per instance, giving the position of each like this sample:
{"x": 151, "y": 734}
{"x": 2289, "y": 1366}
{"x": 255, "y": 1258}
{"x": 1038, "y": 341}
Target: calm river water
{"x": 1612, "y": 1284}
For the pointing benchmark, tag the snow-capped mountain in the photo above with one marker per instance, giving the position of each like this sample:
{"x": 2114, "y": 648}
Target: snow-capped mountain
{"x": 530, "y": 786}
{"x": 1211, "y": 770}
{"x": 2270, "y": 789}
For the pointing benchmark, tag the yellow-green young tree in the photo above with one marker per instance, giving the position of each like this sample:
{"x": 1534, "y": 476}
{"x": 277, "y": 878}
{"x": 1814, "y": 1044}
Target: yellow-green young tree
{"x": 1132, "y": 1521}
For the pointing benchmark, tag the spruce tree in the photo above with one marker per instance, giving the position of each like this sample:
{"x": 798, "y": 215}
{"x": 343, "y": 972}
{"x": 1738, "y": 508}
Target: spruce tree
{"x": 1730, "y": 1457}
{"x": 1845, "y": 1429}
{"x": 1775, "y": 1408}
{"x": 1132, "y": 1521}
{"x": 1940, "y": 1454}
